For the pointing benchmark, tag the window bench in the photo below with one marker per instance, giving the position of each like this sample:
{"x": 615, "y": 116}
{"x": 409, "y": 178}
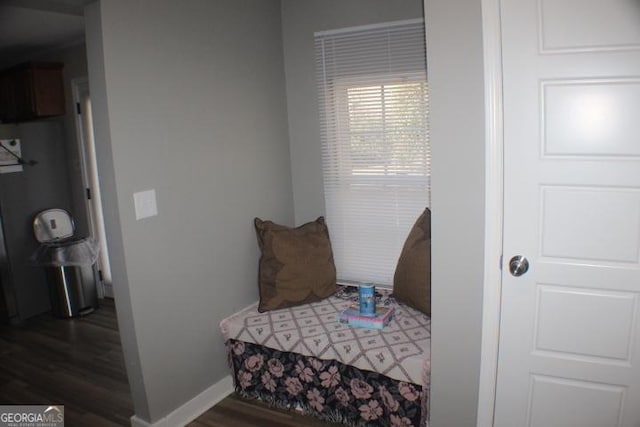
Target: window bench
{"x": 303, "y": 358}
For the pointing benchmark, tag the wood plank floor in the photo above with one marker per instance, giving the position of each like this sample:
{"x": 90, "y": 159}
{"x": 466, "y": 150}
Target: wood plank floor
{"x": 237, "y": 412}
{"x": 78, "y": 363}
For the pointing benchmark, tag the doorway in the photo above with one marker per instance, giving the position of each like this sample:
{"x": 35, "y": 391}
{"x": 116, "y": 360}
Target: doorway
{"x": 91, "y": 183}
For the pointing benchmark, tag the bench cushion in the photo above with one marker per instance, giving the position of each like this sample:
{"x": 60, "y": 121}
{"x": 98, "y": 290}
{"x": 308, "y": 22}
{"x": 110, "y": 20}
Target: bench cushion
{"x": 400, "y": 351}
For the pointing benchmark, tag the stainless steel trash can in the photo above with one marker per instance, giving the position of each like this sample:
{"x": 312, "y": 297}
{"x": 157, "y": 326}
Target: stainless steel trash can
{"x": 69, "y": 263}
{"x": 72, "y": 290}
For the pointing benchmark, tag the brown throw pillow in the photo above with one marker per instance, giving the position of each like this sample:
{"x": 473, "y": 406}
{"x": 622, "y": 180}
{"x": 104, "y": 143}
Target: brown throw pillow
{"x": 296, "y": 265}
{"x": 412, "y": 280}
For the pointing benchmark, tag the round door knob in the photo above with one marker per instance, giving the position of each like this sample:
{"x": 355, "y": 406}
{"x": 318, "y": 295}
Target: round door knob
{"x": 518, "y": 265}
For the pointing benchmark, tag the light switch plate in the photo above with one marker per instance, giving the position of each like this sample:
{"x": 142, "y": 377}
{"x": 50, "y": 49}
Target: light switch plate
{"x": 145, "y": 204}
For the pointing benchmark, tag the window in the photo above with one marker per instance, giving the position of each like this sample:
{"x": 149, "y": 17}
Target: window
{"x": 373, "y": 93}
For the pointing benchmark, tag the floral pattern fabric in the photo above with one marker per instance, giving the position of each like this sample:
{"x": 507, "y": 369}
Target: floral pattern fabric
{"x": 402, "y": 350}
{"x": 327, "y": 389}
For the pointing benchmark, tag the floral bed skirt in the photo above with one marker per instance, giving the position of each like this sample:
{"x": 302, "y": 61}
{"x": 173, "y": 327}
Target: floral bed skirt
{"x": 327, "y": 389}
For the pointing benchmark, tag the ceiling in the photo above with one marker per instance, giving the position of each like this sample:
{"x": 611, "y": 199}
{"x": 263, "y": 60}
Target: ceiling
{"x": 28, "y": 27}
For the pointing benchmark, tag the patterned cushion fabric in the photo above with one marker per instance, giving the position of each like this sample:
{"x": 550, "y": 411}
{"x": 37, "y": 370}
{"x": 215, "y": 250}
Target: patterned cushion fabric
{"x": 402, "y": 350}
{"x": 296, "y": 265}
{"x": 412, "y": 280}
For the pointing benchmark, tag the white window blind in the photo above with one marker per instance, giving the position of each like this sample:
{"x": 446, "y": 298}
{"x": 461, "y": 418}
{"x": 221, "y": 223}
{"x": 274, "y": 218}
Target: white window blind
{"x": 373, "y": 93}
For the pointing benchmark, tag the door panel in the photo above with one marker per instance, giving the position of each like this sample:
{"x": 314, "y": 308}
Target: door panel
{"x": 579, "y": 322}
{"x": 591, "y": 117}
{"x": 569, "y": 350}
{"x": 586, "y": 19}
{"x": 596, "y": 224}
{"x": 591, "y": 404}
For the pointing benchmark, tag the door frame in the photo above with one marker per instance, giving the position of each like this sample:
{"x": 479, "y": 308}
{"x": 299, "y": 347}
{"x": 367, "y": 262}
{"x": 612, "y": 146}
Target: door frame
{"x": 104, "y": 288}
{"x": 494, "y": 210}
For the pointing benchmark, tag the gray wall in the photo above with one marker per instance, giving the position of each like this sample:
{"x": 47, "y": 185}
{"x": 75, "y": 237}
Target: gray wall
{"x": 22, "y": 196}
{"x": 190, "y": 99}
{"x": 300, "y": 19}
{"x": 75, "y": 65}
{"x": 454, "y": 55}
{"x": 56, "y": 149}
{"x": 106, "y": 172}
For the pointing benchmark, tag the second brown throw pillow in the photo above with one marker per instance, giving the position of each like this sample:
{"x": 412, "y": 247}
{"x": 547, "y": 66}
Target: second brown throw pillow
{"x": 412, "y": 280}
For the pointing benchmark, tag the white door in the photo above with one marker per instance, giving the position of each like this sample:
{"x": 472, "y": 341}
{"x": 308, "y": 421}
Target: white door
{"x": 569, "y": 352}
{"x": 89, "y": 166}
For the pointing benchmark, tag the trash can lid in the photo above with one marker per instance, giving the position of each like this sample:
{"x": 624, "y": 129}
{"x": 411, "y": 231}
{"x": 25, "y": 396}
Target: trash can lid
{"x": 53, "y": 224}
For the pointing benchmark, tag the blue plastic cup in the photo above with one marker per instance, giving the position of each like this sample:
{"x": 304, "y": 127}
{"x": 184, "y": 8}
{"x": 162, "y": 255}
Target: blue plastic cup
{"x": 367, "y": 295}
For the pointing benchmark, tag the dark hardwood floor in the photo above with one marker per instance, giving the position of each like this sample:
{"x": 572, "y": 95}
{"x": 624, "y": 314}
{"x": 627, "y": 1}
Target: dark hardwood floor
{"x": 78, "y": 363}
{"x": 237, "y": 412}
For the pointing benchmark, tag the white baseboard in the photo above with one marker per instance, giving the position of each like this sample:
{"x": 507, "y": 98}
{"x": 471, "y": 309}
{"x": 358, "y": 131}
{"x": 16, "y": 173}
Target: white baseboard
{"x": 138, "y": 422}
{"x": 193, "y": 408}
{"x": 107, "y": 289}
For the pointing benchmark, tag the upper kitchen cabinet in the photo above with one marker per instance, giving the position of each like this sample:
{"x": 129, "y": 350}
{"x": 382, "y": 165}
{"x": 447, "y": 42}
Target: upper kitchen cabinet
{"x": 31, "y": 91}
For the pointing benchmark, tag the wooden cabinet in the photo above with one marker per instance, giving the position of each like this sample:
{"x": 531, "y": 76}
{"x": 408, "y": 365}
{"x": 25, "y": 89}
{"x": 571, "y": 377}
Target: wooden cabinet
{"x": 30, "y": 91}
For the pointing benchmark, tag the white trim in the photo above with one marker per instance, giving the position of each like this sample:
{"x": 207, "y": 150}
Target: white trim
{"x": 192, "y": 409}
{"x": 137, "y": 422}
{"x": 88, "y": 164}
{"x": 76, "y": 85}
{"x": 369, "y": 27}
{"x": 108, "y": 290}
{"x": 493, "y": 211}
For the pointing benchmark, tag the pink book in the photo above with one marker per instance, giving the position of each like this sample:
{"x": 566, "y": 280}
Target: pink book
{"x": 352, "y": 317}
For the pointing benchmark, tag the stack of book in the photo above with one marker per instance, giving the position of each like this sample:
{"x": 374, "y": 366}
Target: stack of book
{"x": 352, "y": 317}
